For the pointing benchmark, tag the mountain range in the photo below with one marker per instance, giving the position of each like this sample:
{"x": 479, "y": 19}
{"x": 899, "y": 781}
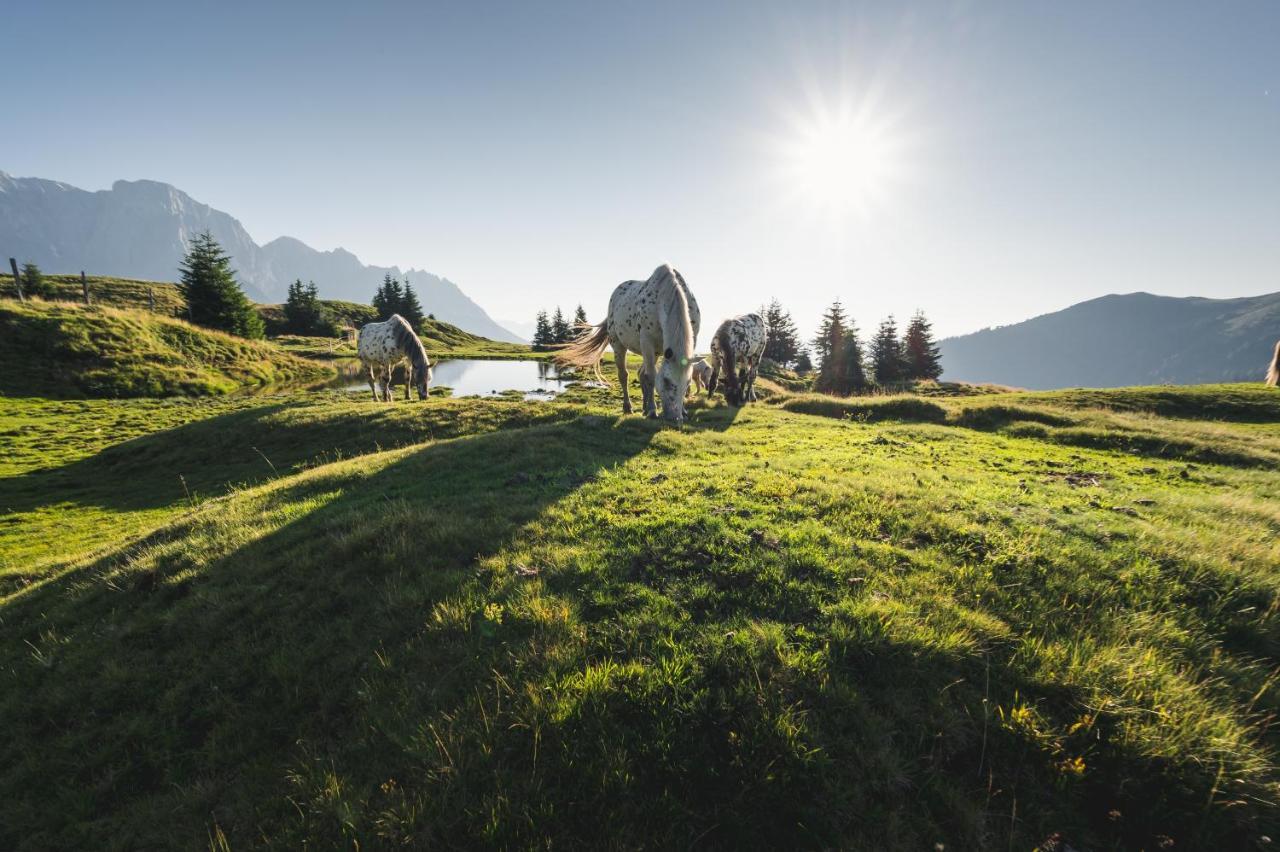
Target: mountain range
{"x": 1118, "y": 340}
{"x": 140, "y": 229}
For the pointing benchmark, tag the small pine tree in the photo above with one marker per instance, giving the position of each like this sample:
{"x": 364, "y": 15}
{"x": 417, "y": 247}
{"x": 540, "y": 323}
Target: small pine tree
{"x": 388, "y": 298}
{"x": 542, "y": 334}
{"x": 560, "y": 330}
{"x": 304, "y": 312}
{"x": 887, "y": 361}
{"x": 924, "y": 361}
{"x": 580, "y": 316}
{"x": 33, "y": 283}
{"x": 213, "y": 297}
{"x": 853, "y": 375}
{"x": 410, "y": 307}
{"x": 829, "y": 346}
{"x": 804, "y": 364}
{"x": 783, "y": 346}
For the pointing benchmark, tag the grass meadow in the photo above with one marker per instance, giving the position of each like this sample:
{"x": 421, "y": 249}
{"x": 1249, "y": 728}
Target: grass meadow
{"x": 309, "y": 620}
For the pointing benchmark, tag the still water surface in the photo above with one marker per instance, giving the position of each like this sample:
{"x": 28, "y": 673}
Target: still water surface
{"x": 472, "y": 377}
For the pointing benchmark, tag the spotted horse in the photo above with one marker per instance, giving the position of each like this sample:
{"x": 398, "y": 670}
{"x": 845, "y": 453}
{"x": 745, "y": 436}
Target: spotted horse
{"x": 658, "y": 315}
{"x": 736, "y": 350}
{"x": 385, "y": 345}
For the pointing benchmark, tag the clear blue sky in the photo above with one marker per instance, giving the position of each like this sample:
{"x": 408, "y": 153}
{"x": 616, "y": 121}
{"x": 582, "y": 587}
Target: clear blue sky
{"x": 1025, "y": 156}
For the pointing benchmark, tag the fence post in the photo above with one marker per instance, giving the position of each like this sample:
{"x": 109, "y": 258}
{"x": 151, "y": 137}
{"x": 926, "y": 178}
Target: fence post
{"x": 84, "y": 285}
{"x": 17, "y": 279}
{"x": 151, "y": 299}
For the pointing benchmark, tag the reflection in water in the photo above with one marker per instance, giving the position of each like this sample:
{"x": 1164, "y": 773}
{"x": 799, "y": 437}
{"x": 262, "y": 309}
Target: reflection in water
{"x": 471, "y": 377}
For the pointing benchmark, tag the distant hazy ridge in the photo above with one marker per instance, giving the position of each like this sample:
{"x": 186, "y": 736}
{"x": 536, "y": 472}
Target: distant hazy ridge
{"x": 1131, "y": 339}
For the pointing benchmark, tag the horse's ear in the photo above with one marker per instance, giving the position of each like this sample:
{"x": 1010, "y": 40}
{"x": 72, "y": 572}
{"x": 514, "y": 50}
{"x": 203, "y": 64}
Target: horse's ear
{"x": 668, "y": 353}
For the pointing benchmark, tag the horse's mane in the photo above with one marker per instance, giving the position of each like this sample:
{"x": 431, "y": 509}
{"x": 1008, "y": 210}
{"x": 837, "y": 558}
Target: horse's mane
{"x": 1273, "y": 374}
{"x": 409, "y": 344}
{"x": 673, "y": 314}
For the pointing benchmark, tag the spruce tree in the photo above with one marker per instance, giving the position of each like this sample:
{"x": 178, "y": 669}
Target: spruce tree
{"x": 33, "y": 282}
{"x": 388, "y": 298}
{"x": 410, "y": 307}
{"x": 542, "y": 335}
{"x": 887, "y": 362}
{"x": 804, "y": 364}
{"x": 560, "y": 330}
{"x": 924, "y": 360}
{"x": 783, "y": 345}
{"x": 853, "y": 375}
{"x": 580, "y": 316}
{"x": 213, "y": 297}
{"x": 829, "y": 346}
{"x": 304, "y": 312}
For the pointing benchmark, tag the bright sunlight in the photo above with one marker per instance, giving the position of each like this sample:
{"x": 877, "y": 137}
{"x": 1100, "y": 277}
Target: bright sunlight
{"x": 841, "y": 162}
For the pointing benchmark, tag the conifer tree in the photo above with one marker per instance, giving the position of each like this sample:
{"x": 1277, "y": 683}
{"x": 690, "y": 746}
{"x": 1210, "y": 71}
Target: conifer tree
{"x": 389, "y": 297}
{"x": 783, "y": 345}
{"x": 213, "y": 297}
{"x": 829, "y": 343}
{"x": 542, "y": 334}
{"x": 560, "y": 330}
{"x": 887, "y": 362}
{"x": 580, "y": 316}
{"x": 33, "y": 282}
{"x": 853, "y": 374}
{"x": 804, "y": 363}
{"x": 924, "y": 361}
{"x": 304, "y": 312}
{"x": 410, "y": 307}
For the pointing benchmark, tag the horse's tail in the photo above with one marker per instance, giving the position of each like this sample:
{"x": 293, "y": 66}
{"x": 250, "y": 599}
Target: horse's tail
{"x": 586, "y": 350}
{"x": 1273, "y": 374}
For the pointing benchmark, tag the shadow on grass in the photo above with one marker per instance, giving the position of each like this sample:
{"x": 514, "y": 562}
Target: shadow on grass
{"x": 205, "y": 457}
{"x": 175, "y": 681}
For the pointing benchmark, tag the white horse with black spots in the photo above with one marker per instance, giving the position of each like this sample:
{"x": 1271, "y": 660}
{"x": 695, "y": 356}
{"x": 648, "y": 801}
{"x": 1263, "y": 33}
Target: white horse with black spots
{"x": 658, "y": 315}
{"x": 385, "y": 345}
{"x": 736, "y": 350}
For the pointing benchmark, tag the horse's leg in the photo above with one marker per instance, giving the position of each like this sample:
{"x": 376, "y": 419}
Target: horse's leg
{"x": 620, "y": 361}
{"x": 648, "y": 375}
{"x": 386, "y": 383}
{"x": 408, "y": 378}
{"x": 751, "y": 380}
{"x": 372, "y": 385}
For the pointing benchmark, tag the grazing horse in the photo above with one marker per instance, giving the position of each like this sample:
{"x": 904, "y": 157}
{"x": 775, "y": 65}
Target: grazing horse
{"x": 655, "y": 316}
{"x": 383, "y": 346}
{"x": 1273, "y": 374}
{"x": 738, "y": 345}
{"x": 700, "y": 375}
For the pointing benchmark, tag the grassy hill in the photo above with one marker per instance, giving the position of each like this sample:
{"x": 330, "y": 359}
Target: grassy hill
{"x": 890, "y": 623}
{"x": 113, "y": 292}
{"x": 67, "y": 350}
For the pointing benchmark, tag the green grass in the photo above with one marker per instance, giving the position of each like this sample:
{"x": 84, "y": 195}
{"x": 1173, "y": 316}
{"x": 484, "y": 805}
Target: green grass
{"x": 66, "y": 350}
{"x": 884, "y": 623}
{"x": 112, "y": 292}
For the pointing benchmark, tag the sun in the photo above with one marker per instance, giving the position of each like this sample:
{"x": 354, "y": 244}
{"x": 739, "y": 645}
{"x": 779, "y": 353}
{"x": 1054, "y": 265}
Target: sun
{"x": 842, "y": 162}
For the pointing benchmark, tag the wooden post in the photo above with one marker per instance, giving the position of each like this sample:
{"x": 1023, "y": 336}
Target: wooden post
{"x": 84, "y": 285}
{"x": 151, "y": 299}
{"x": 17, "y": 279}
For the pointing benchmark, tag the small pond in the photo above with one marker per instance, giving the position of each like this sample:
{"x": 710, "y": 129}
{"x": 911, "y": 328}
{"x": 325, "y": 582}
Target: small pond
{"x": 471, "y": 377}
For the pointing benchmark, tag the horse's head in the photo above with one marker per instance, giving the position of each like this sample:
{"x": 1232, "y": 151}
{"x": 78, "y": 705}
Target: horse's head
{"x": 673, "y": 384}
{"x": 423, "y": 382}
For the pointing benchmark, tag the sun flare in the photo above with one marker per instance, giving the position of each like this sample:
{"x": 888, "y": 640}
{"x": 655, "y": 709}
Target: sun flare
{"x": 842, "y": 163}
